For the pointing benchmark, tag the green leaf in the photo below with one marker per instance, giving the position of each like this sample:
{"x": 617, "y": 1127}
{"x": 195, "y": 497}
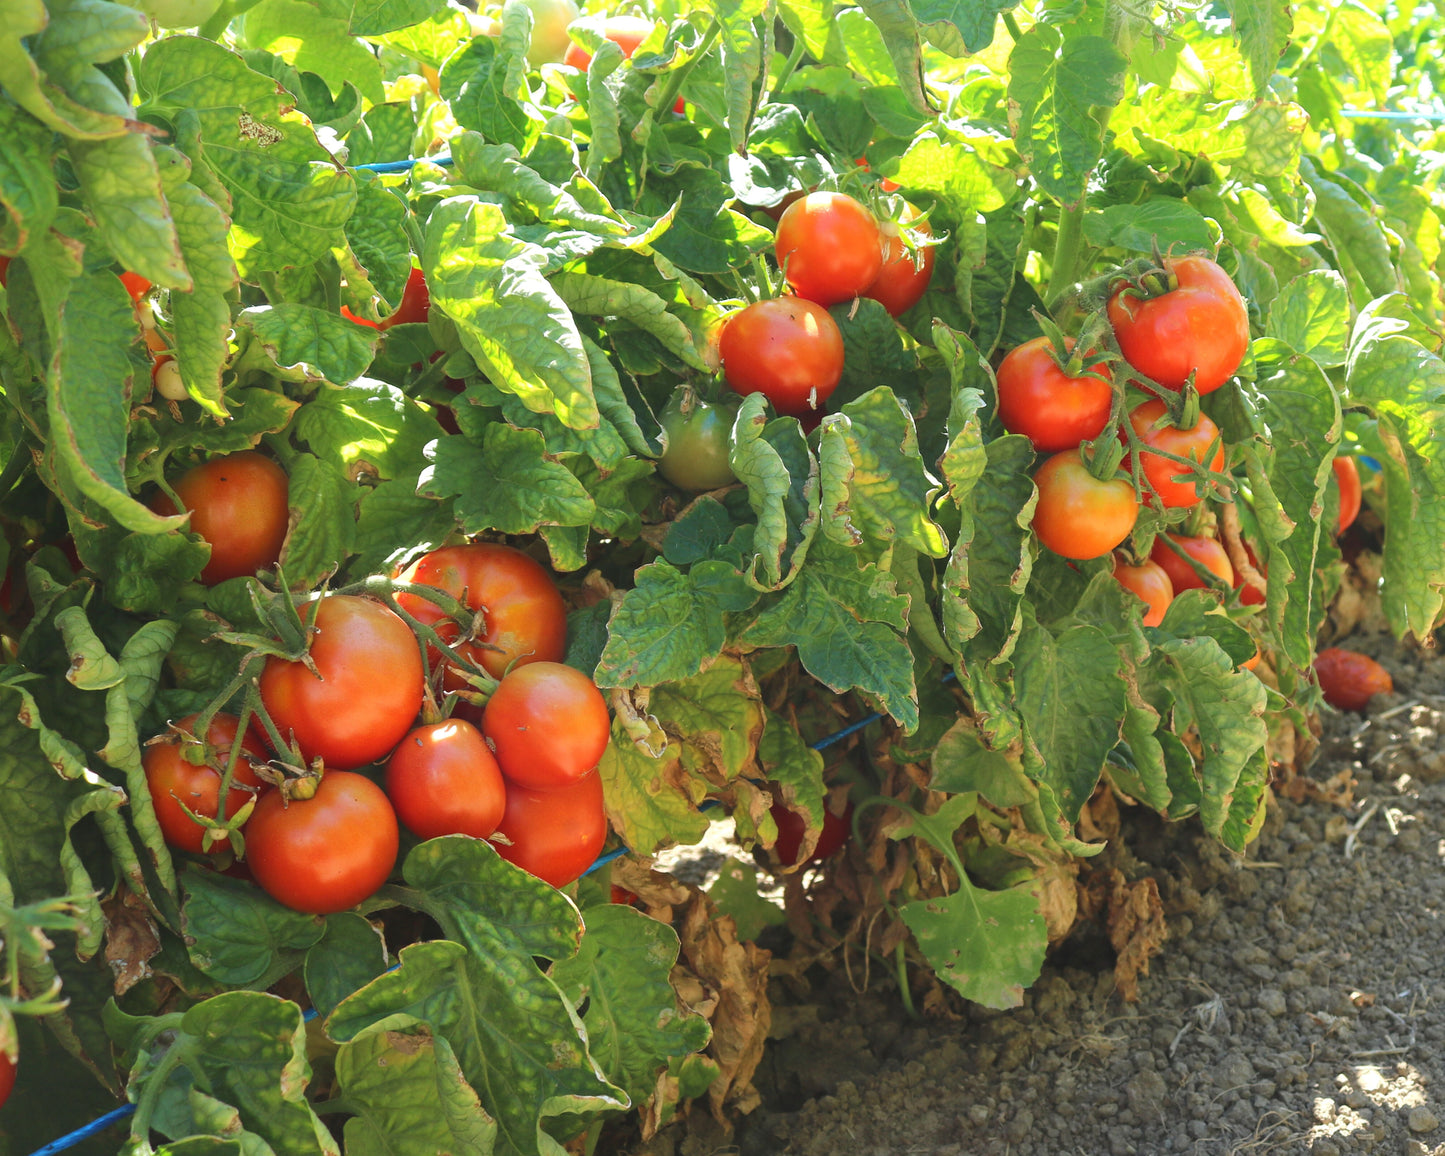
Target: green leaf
{"x": 735, "y": 894}
{"x": 408, "y": 1095}
{"x": 480, "y": 84}
{"x": 603, "y": 297}
{"x": 647, "y": 803}
{"x": 1263, "y": 28}
{"x": 506, "y": 483}
{"x": 1071, "y": 698}
{"x": 873, "y": 349}
{"x": 1312, "y": 316}
{"x": 311, "y": 344}
{"x": 1162, "y": 221}
{"x": 963, "y": 763}
{"x": 377, "y": 236}
{"x": 772, "y": 459}
{"x": 28, "y": 191}
{"x": 367, "y": 427}
{"x": 316, "y": 41}
{"x": 715, "y": 715}
{"x": 990, "y": 568}
{"x": 705, "y": 237}
{"x": 847, "y": 624}
{"x": 322, "y": 499}
{"x": 897, "y": 26}
{"x": 509, "y": 316}
{"x": 875, "y": 485}
{"x": 634, "y": 1026}
{"x": 349, "y": 955}
{"x": 1361, "y": 248}
{"x": 970, "y": 171}
{"x": 377, "y": 17}
{"x": 960, "y": 27}
{"x": 1054, "y": 85}
{"x": 240, "y": 935}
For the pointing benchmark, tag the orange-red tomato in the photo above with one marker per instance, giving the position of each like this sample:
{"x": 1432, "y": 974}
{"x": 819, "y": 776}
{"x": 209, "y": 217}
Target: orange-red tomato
{"x": 413, "y": 309}
{"x": 548, "y": 725}
{"x": 1079, "y": 516}
{"x": 829, "y": 247}
{"x": 1201, "y": 327}
{"x": 238, "y": 504}
{"x": 1151, "y": 583}
{"x": 1248, "y": 595}
{"x": 175, "y": 782}
{"x": 788, "y": 349}
{"x": 1151, "y": 427}
{"x": 136, "y": 285}
{"x": 1347, "y": 478}
{"x": 554, "y": 835}
{"x": 904, "y": 277}
{"x": 627, "y": 32}
{"x": 1206, "y": 551}
{"x": 444, "y": 780}
{"x": 1038, "y": 399}
{"x": 1349, "y": 679}
{"x": 7, "y": 1065}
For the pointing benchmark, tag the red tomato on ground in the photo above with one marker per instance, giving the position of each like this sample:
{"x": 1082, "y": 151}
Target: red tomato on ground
{"x": 444, "y": 780}
{"x": 136, "y": 285}
{"x": 173, "y": 781}
{"x": 829, "y": 247}
{"x": 1349, "y": 679}
{"x": 239, "y": 505}
{"x": 1347, "y": 478}
{"x": 792, "y": 827}
{"x": 627, "y": 32}
{"x": 788, "y": 349}
{"x": 1078, "y": 516}
{"x": 1151, "y": 583}
{"x": 1151, "y": 427}
{"x": 622, "y": 895}
{"x": 904, "y": 276}
{"x": 548, "y": 725}
{"x": 1038, "y": 399}
{"x": 526, "y": 619}
{"x": 1206, "y": 551}
{"x": 554, "y": 835}
{"x": 369, "y": 691}
{"x": 326, "y": 853}
{"x": 1201, "y": 327}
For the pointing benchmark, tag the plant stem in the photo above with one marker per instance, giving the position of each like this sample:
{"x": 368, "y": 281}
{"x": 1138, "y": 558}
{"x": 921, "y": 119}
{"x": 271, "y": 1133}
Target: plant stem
{"x": 904, "y": 991}
{"x": 1066, "y": 251}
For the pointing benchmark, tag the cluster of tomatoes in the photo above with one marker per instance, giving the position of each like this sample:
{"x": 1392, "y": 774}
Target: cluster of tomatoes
{"x": 1193, "y": 328}
{"x": 520, "y": 770}
{"x": 832, "y": 249}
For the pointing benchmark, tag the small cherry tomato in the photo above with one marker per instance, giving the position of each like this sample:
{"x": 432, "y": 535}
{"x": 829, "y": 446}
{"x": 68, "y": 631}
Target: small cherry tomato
{"x": 1150, "y": 582}
{"x": 548, "y": 725}
{"x": 239, "y": 505}
{"x": 1078, "y": 516}
{"x": 554, "y": 835}
{"x": 792, "y": 827}
{"x": 1038, "y": 399}
{"x": 174, "y": 781}
{"x": 444, "y": 780}
{"x": 368, "y": 692}
{"x": 166, "y": 378}
{"x": 1347, "y": 478}
{"x": 1199, "y": 327}
{"x": 1349, "y": 679}
{"x": 526, "y": 619}
{"x": 829, "y": 247}
{"x": 904, "y": 276}
{"x": 1152, "y": 428}
{"x": 699, "y": 438}
{"x": 326, "y": 853}
{"x": 136, "y": 285}
{"x": 788, "y": 349}
{"x": 1206, "y": 551}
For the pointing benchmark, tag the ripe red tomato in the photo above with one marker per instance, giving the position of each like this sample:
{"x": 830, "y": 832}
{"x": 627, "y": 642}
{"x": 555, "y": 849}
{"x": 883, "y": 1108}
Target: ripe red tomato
{"x": 554, "y": 835}
{"x": 902, "y": 280}
{"x": 326, "y": 853}
{"x": 1151, "y": 583}
{"x": 1038, "y": 399}
{"x": 4, "y": 270}
{"x": 443, "y": 780}
{"x": 698, "y": 442}
{"x": 7, "y": 1077}
{"x": 414, "y": 307}
{"x": 792, "y": 827}
{"x": 627, "y": 32}
{"x": 1201, "y": 327}
{"x": 788, "y": 349}
{"x": 526, "y": 619}
{"x": 1206, "y": 551}
{"x": 369, "y": 691}
{"x": 173, "y": 781}
{"x": 238, "y": 504}
{"x": 829, "y": 247}
{"x": 1151, "y": 426}
{"x": 136, "y": 285}
{"x": 548, "y": 725}
{"x": 1078, "y": 516}
{"x": 1347, "y": 478}
{"x": 1349, "y": 680}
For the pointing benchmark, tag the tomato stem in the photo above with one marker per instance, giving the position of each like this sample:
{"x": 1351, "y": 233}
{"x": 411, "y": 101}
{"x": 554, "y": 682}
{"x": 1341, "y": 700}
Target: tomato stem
{"x": 900, "y": 957}
{"x": 1229, "y": 531}
{"x": 668, "y": 97}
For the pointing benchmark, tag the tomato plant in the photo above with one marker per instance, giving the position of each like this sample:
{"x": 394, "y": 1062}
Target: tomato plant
{"x": 788, "y": 349}
{"x": 178, "y": 785}
{"x": 1080, "y": 516}
{"x": 1347, "y": 480}
{"x": 364, "y": 694}
{"x": 1174, "y": 487}
{"x": 444, "y": 780}
{"x": 326, "y": 853}
{"x": 1151, "y": 582}
{"x": 525, "y": 618}
{"x": 548, "y": 725}
{"x": 627, "y": 32}
{"x": 239, "y": 504}
{"x": 1197, "y": 326}
{"x": 1041, "y": 400}
{"x": 1349, "y": 679}
{"x": 829, "y": 247}
{"x": 554, "y": 834}
{"x": 1206, "y": 551}
{"x": 699, "y": 437}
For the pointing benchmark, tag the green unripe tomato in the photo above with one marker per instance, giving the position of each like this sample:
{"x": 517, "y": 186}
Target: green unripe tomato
{"x": 699, "y": 435}
{"x": 178, "y": 13}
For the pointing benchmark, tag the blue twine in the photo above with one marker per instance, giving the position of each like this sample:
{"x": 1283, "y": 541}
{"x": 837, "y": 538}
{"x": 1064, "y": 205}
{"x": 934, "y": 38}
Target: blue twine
{"x": 443, "y": 159}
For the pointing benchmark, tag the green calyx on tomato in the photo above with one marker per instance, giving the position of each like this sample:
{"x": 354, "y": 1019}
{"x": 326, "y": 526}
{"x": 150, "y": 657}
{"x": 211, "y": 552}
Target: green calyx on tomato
{"x": 788, "y": 349}
{"x": 699, "y": 440}
{"x": 183, "y": 792}
{"x": 1173, "y": 483}
{"x": 1078, "y": 515}
{"x": 907, "y": 268}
